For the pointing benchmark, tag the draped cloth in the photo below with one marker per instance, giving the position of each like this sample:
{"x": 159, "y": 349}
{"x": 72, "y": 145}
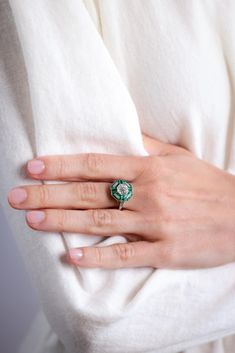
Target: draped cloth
{"x": 89, "y": 77}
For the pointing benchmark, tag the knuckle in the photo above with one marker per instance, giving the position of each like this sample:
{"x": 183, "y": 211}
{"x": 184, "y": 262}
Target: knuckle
{"x": 98, "y": 256}
{"x": 101, "y": 218}
{"x": 93, "y": 163}
{"x": 62, "y": 219}
{"x": 123, "y": 252}
{"x": 60, "y": 166}
{"x": 43, "y": 195}
{"x": 85, "y": 192}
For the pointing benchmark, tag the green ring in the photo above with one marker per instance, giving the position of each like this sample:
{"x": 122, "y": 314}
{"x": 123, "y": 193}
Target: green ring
{"x": 121, "y": 197}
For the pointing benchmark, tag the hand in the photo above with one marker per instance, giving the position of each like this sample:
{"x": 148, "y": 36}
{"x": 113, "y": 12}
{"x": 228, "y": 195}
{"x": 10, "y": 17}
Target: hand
{"x": 181, "y": 214}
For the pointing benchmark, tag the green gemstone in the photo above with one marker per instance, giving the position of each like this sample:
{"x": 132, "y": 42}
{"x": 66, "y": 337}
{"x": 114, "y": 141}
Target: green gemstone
{"x": 121, "y": 190}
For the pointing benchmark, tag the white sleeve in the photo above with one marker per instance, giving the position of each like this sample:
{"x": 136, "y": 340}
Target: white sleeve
{"x": 61, "y": 93}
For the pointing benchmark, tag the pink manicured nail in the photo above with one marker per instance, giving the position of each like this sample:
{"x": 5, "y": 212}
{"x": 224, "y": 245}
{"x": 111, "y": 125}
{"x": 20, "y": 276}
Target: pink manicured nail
{"x": 36, "y": 166}
{"x": 75, "y": 254}
{"x": 17, "y": 195}
{"x": 35, "y": 216}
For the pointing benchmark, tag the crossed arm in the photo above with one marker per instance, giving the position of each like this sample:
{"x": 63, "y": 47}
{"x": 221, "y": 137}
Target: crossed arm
{"x": 181, "y": 215}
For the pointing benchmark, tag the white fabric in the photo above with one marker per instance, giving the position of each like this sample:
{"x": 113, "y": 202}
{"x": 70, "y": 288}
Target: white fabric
{"x": 78, "y": 77}
{"x": 223, "y": 345}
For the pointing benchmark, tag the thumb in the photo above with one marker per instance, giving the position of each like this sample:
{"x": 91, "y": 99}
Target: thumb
{"x": 157, "y": 147}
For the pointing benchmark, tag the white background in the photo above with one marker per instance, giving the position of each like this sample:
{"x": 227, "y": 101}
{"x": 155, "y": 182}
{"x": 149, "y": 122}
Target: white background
{"x": 18, "y": 301}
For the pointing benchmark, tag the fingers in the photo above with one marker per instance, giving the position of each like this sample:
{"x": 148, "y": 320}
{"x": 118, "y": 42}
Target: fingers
{"x": 74, "y": 195}
{"x": 95, "y": 166}
{"x": 96, "y": 221}
{"x": 132, "y": 254}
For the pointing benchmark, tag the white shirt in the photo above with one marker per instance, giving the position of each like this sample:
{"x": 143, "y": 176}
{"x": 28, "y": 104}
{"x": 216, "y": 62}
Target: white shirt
{"x": 88, "y": 77}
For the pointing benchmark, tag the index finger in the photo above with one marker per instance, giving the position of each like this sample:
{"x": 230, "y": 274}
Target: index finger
{"x": 95, "y": 166}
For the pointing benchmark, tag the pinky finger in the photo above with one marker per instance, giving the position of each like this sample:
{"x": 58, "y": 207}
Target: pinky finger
{"x": 119, "y": 255}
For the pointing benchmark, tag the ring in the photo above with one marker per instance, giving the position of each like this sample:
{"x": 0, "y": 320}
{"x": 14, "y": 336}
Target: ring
{"x": 121, "y": 190}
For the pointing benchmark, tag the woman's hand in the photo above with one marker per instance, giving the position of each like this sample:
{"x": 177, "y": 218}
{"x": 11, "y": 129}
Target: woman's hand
{"x": 181, "y": 215}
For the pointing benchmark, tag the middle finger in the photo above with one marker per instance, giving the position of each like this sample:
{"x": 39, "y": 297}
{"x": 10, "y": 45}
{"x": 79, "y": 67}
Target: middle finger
{"x": 71, "y": 195}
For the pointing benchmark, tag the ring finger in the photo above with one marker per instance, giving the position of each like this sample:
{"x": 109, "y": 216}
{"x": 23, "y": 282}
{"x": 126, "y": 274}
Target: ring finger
{"x": 71, "y": 195}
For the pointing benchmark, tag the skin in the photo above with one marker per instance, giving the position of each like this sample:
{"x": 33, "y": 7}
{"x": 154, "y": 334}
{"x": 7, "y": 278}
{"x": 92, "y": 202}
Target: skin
{"x": 181, "y": 215}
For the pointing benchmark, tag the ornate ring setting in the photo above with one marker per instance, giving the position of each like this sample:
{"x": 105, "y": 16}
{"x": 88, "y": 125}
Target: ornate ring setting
{"x": 122, "y": 191}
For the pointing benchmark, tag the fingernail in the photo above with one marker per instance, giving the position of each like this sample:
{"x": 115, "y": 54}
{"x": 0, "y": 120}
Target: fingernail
{"x": 17, "y": 195}
{"x": 36, "y": 166}
{"x": 35, "y": 216}
{"x": 75, "y": 254}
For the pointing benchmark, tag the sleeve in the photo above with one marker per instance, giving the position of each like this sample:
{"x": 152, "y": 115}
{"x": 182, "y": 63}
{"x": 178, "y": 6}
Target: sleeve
{"x": 61, "y": 93}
